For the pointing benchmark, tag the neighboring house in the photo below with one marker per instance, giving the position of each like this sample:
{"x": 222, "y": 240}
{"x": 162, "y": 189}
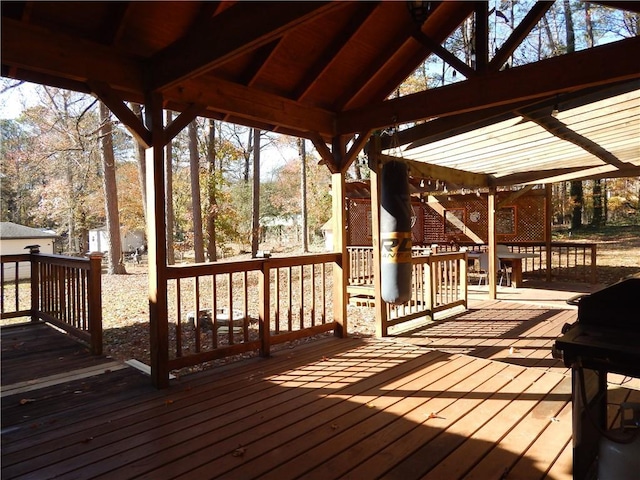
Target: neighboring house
{"x": 15, "y": 238}
{"x": 132, "y": 240}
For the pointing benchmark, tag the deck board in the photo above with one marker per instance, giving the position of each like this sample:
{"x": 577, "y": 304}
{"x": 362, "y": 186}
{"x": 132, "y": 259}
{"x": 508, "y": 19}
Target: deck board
{"x": 448, "y": 401}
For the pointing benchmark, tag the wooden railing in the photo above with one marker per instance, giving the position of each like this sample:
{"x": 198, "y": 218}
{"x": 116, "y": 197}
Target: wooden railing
{"x": 570, "y": 261}
{"x": 439, "y": 282}
{"x": 246, "y": 306}
{"x": 64, "y": 291}
{"x": 573, "y": 261}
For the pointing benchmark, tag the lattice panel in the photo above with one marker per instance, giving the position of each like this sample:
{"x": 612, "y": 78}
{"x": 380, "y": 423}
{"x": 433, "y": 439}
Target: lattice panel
{"x": 359, "y": 222}
{"x": 461, "y": 219}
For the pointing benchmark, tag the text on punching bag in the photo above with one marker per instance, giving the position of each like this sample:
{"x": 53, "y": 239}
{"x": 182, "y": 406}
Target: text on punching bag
{"x": 395, "y": 247}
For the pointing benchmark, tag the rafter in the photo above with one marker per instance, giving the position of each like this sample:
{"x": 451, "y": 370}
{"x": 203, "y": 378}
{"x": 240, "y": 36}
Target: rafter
{"x": 596, "y": 66}
{"x": 262, "y": 22}
{"x": 560, "y": 130}
{"x": 523, "y": 29}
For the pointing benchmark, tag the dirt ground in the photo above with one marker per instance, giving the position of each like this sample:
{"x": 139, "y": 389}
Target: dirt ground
{"x": 125, "y": 300}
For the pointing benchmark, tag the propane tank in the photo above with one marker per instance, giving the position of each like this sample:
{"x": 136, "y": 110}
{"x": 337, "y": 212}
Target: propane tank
{"x": 619, "y": 457}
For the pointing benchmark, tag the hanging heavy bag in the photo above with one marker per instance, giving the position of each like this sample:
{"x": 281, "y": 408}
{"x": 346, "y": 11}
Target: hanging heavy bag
{"x": 395, "y": 233}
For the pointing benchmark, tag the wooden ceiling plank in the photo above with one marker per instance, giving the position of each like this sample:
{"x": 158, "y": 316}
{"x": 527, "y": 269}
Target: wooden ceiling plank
{"x": 596, "y": 66}
{"x": 518, "y": 35}
{"x": 113, "y": 24}
{"x": 219, "y": 39}
{"x": 244, "y": 102}
{"x": 120, "y": 109}
{"x": 331, "y": 52}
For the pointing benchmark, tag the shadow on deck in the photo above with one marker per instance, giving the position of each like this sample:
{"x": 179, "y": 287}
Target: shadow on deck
{"x": 350, "y": 408}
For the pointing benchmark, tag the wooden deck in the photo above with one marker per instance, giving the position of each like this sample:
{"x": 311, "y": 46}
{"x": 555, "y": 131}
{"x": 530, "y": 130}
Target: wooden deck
{"x": 477, "y": 396}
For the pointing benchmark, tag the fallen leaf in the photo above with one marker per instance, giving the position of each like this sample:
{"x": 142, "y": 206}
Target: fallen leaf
{"x": 239, "y": 452}
{"x": 24, "y": 401}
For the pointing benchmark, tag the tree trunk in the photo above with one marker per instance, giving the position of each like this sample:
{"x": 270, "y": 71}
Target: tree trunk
{"x": 576, "y": 185}
{"x": 142, "y": 164}
{"x": 114, "y": 255}
{"x": 255, "y": 216}
{"x": 194, "y": 162}
{"x": 598, "y": 219}
{"x": 168, "y": 182}
{"x": 211, "y": 194}
{"x": 303, "y": 193}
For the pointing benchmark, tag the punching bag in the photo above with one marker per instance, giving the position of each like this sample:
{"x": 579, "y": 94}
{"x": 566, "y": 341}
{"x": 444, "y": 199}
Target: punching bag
{"x": 395, "y": 233}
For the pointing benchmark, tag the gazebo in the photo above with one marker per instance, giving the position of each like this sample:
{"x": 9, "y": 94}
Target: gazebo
{"x": 325, "y": 71}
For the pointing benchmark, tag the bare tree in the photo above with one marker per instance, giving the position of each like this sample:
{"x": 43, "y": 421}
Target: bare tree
{"x": 168, "y": 182}
{"x": 212, "y": 199}
{"x": 114, "y": 255}
{"x": 303, "y": 193}
{"x": 194, "y": 162}
{"x": 255, "y": 211}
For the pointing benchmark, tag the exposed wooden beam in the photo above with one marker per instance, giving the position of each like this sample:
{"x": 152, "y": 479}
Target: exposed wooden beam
{"x": 446, "y": 174}
{"x": 262, "y": 22}
{"x": 482, "y": 36}
{"x": 325, "y": 153}
{"x": 445, "y": 127}
{"x": 445, "y": 54}
{"x": 443, "y": 20}
{"x": 563, "y": 132}
{"x": 181, "y": 121}
{"x": 61, "y": 56}
{"x": 120, "y": 109}
{"x": 519, "y": 34}
{"x": 358, "y": 144}
{"x": 251, "y": 104}
{"x": 596, "y": 66}
{"x": 620, "y": 5}
{"x": 513, "y": 196}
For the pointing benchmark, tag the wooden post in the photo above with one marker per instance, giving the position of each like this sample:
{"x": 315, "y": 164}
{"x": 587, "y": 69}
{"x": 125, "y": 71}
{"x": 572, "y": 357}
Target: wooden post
{"x": 464, "y": 275}
{"x": 95, "y": 302}
{"x": 264, "y": 320}
{"x": 341, "y": 271}
{"x": 157, "y": 240}
{"x": 35, "y": 282}
{"x": 547, "y": 234}
{"x": 382, "y": 329}
{"x": 493, "y": 254}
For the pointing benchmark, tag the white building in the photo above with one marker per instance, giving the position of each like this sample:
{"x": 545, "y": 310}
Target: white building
{"x": 14, "y": 239}
{"x": 131, "y": 240}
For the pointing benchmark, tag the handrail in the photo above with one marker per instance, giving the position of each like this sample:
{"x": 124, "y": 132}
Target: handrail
{"x": 64, "y": 291}
{"x": 235, "y": 307}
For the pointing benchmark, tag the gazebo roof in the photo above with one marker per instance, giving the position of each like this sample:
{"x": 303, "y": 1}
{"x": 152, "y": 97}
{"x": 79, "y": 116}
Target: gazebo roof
{"x": 318, "y": 70}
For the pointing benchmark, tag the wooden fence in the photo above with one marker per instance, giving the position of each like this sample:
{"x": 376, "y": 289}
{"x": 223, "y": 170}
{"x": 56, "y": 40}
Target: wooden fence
{"x": 64, "y": 291}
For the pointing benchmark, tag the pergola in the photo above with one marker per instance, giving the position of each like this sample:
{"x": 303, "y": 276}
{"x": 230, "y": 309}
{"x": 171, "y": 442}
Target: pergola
{"x": 324, "y": 71}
